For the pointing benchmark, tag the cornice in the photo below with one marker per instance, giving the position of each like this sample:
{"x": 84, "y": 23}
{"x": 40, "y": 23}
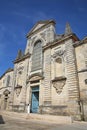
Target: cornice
{"x": 59, "y": 78}
{"x": 61, "y": 40}
{"x": 79, "y": 43}
{"x": 84, "y": 70}
{"x": 22, "y": 58}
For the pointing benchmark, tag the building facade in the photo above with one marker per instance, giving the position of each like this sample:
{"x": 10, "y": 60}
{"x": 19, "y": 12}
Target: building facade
{"x": 51, "y": 76}
{"x": 6, "y": 82}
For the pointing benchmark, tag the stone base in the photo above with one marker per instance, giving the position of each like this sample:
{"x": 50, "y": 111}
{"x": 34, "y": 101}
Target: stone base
{"x": 54, "y": 110}
{"x": 84, "y": 110}
{"x": 19, "y": 108}
{"x": 74, "y": 110}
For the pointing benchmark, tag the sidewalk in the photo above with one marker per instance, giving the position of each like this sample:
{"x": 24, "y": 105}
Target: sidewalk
{"x": 39, "y": 117}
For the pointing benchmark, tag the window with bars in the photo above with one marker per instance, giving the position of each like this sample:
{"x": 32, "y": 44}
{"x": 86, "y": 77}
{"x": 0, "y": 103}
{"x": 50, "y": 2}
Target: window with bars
{"x": 37, "y": 56}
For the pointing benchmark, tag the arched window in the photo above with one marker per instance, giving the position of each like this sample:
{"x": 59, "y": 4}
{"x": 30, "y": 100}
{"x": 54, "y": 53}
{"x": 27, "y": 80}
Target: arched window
{"x": 8, "y": 80}
{"x": 37, "y": 56}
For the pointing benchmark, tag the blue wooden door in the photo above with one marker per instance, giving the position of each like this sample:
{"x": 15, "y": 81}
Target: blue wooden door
{"x": 35, "y": 99}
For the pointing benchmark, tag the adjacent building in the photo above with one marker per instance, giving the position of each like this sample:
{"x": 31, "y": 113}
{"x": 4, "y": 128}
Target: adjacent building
{"x": 6, "y": 82}
{"x": 51, "y": 75}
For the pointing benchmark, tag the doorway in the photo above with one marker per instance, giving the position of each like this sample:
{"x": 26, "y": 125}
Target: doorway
{"x": 35, "y": 99}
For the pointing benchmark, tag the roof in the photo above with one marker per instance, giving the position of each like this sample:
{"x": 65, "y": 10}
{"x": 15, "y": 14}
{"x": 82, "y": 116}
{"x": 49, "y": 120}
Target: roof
{"x": 83, "y": 41}
{"x": 7, "y": 71}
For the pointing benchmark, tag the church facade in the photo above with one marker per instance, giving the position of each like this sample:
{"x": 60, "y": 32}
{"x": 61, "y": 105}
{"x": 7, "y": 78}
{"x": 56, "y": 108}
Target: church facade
{"x": 51, "y": 76}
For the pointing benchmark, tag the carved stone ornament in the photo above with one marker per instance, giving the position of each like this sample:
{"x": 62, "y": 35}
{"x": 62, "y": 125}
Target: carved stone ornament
{"x": 20, "y": 68}
{"x": 58, "y": 60}
{"x": 58, "y": 85}
{"x": 58, "y": 53}
{"x": 18, "y": 90}
{"x": 6, "y": 92}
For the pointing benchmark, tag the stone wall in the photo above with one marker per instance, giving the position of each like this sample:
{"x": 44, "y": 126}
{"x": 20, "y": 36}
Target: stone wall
{"x": 5, "y": 90}
{"x": 19, "y": 88}
{"x": 81, "y": 56}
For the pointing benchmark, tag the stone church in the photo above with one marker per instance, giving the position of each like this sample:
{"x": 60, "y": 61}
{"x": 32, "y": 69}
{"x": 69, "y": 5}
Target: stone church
{"x": 50, "y": 76}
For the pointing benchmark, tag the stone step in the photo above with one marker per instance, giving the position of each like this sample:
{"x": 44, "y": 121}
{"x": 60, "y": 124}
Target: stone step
{"x": 13, "y": 114}
{"x": 39, "y": 117}
{"x": 51, "y": 118}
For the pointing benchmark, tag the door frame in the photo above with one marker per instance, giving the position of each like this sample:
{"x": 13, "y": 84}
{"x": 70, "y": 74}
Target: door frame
{"x": 33, "y": 91}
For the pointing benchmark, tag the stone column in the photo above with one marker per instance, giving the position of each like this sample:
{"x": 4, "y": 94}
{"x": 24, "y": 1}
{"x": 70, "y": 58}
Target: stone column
{"x": 72, "y": 81}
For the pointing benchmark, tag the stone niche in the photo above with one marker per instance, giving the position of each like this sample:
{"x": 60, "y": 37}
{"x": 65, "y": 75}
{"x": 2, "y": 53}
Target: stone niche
{"x": 58, "y": 63}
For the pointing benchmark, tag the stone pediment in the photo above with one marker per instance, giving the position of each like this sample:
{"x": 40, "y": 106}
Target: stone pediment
{"x": 39, "y": 25}
{"x": 34, "y": 77}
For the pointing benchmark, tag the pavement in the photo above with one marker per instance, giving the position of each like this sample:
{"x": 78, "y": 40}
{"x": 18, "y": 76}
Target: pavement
{"x": 11, "y": 123}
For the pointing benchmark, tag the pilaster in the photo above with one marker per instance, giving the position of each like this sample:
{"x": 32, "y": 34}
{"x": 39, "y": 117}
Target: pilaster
{"x": 47, "y": 77}
{"x": 72, "y": 81}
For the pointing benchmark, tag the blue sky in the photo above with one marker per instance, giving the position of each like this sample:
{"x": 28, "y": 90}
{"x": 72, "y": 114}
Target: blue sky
{"x": 17, "y": 17}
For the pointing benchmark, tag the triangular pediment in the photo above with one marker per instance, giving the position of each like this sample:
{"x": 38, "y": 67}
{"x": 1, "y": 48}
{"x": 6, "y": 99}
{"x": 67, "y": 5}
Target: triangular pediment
{"x": 36, "y": 76}
{"x": 39, "y": 25}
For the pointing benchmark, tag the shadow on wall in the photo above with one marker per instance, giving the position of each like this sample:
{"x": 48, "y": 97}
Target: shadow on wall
{"x": 1, "y": 120}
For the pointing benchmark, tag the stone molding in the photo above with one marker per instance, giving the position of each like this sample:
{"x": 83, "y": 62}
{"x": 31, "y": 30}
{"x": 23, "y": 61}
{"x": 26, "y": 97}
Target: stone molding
{"x": 61, "y": 41}
{"x": 22, "y": 58}
{"x": 36, "y": 76}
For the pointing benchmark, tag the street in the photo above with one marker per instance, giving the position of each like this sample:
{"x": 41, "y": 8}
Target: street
{"x": 11, "y": 123}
